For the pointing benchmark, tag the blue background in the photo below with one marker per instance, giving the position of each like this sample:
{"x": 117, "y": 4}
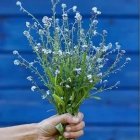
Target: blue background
{"x": 115, "y": 117}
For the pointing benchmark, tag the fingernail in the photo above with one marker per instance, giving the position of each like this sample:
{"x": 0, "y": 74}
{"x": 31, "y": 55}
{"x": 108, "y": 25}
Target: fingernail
{"x": 75, "y": 119}
{"x": 66, "y": 134}
{"x": 68, "y": 128}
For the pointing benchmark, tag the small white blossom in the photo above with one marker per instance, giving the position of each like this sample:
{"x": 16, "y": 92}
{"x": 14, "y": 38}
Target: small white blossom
{"x": 16, "y": 62}
{"x": 31, "y": 64}
{"x": 74, "y": 8}
{"x": 48, "y": 92}
{"x": 89, "y": 76}
{"x": 104, "y": 31}
{"x": 99, "y": 75}
{"x": 98, "y": 12}
{"x": 18, "y": 3}
{"x": 117, "y": 45}
{"x": 60, "y": 52}
{"x": 29, "y": 78}
{"x": 95, "y": 32}
{"x": 28, "y": 24}
{"x": 63, "y": 5}
{"x": 128, "y": 59}
{"x": 78, "y": 16}
{"x": 44, "y": 51}
{"x": 105, "y": 81}
{"x": 123, "y": 51}
{"x": 67, "y": 86}
{"x": 69, "y": 79}
{"x": 57, "y": 72}
{"x": 99, "y": 60}
{"x": 36, "y": 48}
{"x": 94, "y": 9}
{"x": 45, "y": 19}
{"x": 27, "y": 34}
{"x": 95, "y": 22}
{"x": 33, "y": 88}
{"x": 91, "y": 81}
{"x": 84, "y": 46}
{"x": 15, "y": 52}
{"x": 41, "y": 32}
{"x": 65, "y": 16}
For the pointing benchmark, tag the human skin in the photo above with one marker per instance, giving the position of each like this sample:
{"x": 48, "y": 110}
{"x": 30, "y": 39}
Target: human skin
{"x": 45, "y": 130}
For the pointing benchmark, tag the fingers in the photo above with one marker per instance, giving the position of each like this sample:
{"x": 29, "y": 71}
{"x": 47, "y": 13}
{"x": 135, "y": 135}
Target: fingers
{"x": 73, "y": 135}
{"x": 78, "y": 127}
{"x": 67, "y": 118}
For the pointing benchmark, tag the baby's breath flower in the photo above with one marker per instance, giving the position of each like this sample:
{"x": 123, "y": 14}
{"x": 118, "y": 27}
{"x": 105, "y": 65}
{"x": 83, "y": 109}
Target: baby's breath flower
{"x": 104, "y": 32}
{"x": 27, "y": 24}
{"x": 41, "y": 32}
{"x": 99, "y": 60}
{"x": 48, "y": 92}
{"x": 57, "y": 72}
{"x": 99, "y": 75}
{"x": 27, "y": 34}
{"x": 123, "y": 51}
{"x": 95, "y": 22}
{"x": 94, "y": 9}
{"x": 15, "y": 52}
{"x": 78, "y": 16}
{"x": 105, "y": 81}
{"x": 128, "y": 59}
{"x": 84, "y": 46}
{"x": 36, "y": 48}
{"x": 89, "y": 76}
{"x": 16, "y": 62}
{"x": 18, "y": 3}
{"x": 33, "y": 88}
{"x": 95, "y": 32}
{"x": 67, "y": 86}
{"x": 45, "y": 20}
{"x": 65, "y": 16}
{"x": 30, "y": 78}
{"x": 74, "y": 8}
{"x": 63, "y": 5}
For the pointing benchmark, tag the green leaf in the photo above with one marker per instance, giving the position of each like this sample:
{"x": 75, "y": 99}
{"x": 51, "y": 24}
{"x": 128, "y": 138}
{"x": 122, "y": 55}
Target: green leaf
{"x": 59, "y": 90}
{"x": 60, "y": 128}
{"x": 58, "y": 100}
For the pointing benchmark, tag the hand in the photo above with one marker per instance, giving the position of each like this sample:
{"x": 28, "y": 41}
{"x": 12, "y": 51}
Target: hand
{"x": 74, "y": 127}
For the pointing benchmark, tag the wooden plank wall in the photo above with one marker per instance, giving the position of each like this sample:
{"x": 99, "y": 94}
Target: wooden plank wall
{"x": 113, "y": 118}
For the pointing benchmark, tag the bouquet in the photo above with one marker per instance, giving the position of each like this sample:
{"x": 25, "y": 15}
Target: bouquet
{"x": 70, "y": 67}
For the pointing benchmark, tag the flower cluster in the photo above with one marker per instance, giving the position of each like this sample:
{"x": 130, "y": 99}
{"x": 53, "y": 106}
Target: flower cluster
{"x": 73, "y": 67}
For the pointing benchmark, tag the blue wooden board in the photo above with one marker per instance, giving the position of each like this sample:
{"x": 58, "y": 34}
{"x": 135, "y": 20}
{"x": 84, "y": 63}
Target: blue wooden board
{"x": 26, "y": 106}
{"x": 117, "y": 7}
{"x": 12, "y": 37}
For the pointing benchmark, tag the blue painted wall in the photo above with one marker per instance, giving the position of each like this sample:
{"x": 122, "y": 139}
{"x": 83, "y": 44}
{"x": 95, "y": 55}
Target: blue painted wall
{"x": 113, "y": 118}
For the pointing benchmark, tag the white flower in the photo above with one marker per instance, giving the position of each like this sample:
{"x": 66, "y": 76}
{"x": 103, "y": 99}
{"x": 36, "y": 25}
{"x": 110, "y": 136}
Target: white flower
{"x": 98, "y": 12}
{"x": 128, "y": 59}
{"x": 63, "y": 5}
{"x": 45, "y": 51}
{"x": 27, "y": 34}
{"x": 94, "y": 9}
{"x": 100, "y": 66}
{"x": 99, "y": 75}
{"x": 84, "y": 46}
{"x": 65, "y": 16}
{"x": 74, "y": 8}
{"x": 29, "y": 78}
{"x": 45, "y": 19}
{"x": 95, "y": 32}
{"x": 78, "y": 16}
{"x": 18, "y": 3}
{"x": 15, "y": 52}
{"x": 91, "y": 81}
{"x": 31, "y": 64}
{"x": 89, "y": 76}
{"x": 16, "y": 62}
{"x": 105, "y": 81}
{"x": 36, "y": 48}
{"x": 67, "y": 86}
{"x": 69, "y": 79}
{"x": 41, "y": 32}
{"x": 95, "y": 22}
{"x": 28, "y": 24}
{"x": 123, "y": 51}
{"x": 33, "y": 88}
{"x": 60, "y": 52}
{"x": 48, "y": 92}
{"x": 104, "y": 31}
{"x": 117, "y": 45}
{"x": 57, "y": 72}
{"x": 99, "y": 60}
